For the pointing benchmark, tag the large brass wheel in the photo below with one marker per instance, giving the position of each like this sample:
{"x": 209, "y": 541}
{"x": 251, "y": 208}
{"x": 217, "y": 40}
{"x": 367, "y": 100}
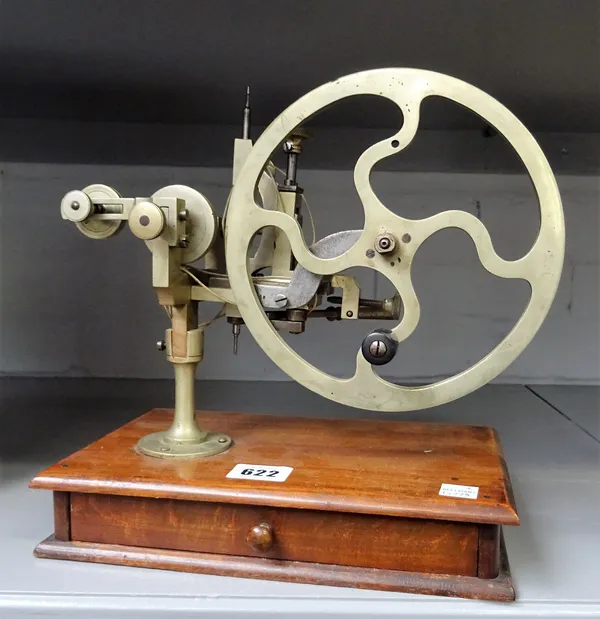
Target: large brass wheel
{"x": 541, "y": 266}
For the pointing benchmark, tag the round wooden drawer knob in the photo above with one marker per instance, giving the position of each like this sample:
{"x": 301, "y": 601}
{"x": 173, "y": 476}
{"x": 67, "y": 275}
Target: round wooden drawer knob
{"x": 260, "y": 537}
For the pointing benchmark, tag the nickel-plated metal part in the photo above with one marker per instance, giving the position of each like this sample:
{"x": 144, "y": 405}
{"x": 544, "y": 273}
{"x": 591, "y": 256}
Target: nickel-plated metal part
{"x": 292, "y": 321}
{"x": 378, "y": 348}
{"x": 267, "y": 287}
{"x": 236, "y": 336}
{"x": 392, "y": 306}
{"x": 280, "y": 300}
{"x": 331, "y": 313}
{"x": 272, "y": 291}
{"x": 161, "y": 345}
{"x": 304, "y": 284}
{"x": 247, "y": 116}
{"x": 290, "y": 326}
{"x": 337, "y": 300}
{"x": 236, "y": 328}
{"x": 364, "y": 313}
{"x": 369, "y": 309}
{"x": 114, "y": 209}
{"x": 292, "y": 146}
{"x": 541, "y": 266}
{"x": 296, "y": 315}
{"x": 291, "y": 169}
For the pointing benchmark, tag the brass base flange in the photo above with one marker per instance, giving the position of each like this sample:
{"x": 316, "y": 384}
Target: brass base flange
{"x": 161, "y": 445}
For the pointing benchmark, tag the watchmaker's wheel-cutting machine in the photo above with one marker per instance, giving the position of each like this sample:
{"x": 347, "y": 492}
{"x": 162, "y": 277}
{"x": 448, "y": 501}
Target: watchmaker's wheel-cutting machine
{"x": 390, "y": 505}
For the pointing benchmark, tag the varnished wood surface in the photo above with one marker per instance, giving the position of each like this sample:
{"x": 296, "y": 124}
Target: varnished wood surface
{"x": 62, "y": 516}
{"x": 311, "y": 536}
{"x": 488, "y": 561}
{"x": 377, "y": 467}
{"x": 499, "y": 589}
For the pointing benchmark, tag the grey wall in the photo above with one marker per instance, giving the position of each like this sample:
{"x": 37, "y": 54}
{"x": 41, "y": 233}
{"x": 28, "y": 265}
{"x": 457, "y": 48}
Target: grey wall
{"x": 334, "y": 148}
{"x": 75, "y": 307}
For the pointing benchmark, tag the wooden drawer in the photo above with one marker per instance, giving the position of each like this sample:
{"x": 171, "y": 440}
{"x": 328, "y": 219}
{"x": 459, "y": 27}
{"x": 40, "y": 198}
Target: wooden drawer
{"x": 358, "y": 540}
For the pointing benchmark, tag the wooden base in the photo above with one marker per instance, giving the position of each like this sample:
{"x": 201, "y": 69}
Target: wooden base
{"x": 496, "y": 589}
{"x": 361, "y": 507}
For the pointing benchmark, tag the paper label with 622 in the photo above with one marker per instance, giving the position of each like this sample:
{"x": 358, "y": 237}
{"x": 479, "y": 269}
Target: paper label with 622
{"x": 263, "y": 472}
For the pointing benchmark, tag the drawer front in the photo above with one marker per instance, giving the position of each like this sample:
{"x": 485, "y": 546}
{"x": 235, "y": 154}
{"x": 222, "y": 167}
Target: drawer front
{"x": 279, "y": 533}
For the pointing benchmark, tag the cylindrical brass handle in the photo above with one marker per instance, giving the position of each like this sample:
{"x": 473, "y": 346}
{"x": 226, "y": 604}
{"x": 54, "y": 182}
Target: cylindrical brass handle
{"x": 260, "y": 537}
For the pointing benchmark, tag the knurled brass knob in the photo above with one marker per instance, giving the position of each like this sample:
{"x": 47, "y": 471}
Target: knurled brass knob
{"x": 261, "y": 537}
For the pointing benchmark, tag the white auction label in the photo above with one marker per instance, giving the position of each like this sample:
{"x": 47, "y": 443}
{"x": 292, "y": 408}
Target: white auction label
{"x": 460, "y": 492}
{"x": 260, "y": 471}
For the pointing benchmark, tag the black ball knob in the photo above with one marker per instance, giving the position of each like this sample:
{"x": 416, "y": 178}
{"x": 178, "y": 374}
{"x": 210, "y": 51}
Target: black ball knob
{"x": 379, "y": 347}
